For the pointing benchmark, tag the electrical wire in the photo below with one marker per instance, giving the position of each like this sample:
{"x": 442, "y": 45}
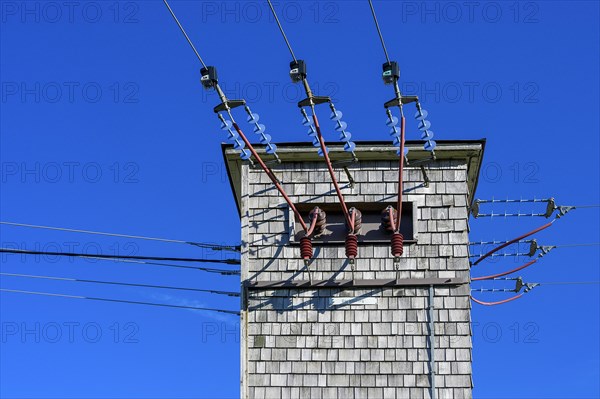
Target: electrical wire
{"x": 507, "y": 243}
{"x": 331, "y": 172}
{"x": 215, "y": 247}
{"x": 282, "y": 31}
{"x": 228, "y": 293}
{"x": 568, "y": 282}
{"x": 497, "y": 302}
{"x": 184, "y": 33}
{"x": 379, "y": 31}
{"x": 492, "y": 276}
{"x": 203, "y": 269}
{"x": 268, "y": 172}
{"x": 103, "y": 256}
{"x": 400, "y": 171}
{"x": 164, "y": 305}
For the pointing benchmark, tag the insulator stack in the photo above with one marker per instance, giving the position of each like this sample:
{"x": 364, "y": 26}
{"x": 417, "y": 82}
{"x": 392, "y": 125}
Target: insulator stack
{"x": 351, "y": 246}
{"x": 259, "y": 129}
{"x": 340, "y": 126}
{"x": 238, "y": 144}
{"x": 424, "y": 125}
{"x": 312, "y": 132}
{"x": 386, "y": 222}
{"x": 306, "y": 248}
{"x": 397, "y": 245}
{"x": 392, "y": 123}
{"x": 357, "y": 220}
{"x": 321, "y": 222}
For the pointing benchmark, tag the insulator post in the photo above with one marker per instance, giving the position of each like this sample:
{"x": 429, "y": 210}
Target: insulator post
{"x": 306, "y": 249}
{"x": 351, "y": 247}
{"x": 357, "y": 220}
{"x": 321, "y": 222}
{"x": 386, "y": 222}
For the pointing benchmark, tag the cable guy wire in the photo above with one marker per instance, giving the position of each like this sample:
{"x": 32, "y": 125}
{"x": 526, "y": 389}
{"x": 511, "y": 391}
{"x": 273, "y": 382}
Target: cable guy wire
{"x": 379, "y": 31}
{"x": 164, "y": 305}
{"x": 184, "y": 33}
{"x": 282, "y": 31}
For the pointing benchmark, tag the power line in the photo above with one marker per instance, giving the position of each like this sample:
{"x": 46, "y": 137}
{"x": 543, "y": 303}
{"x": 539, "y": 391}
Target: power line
{"x": 591, "y": 244}
{"x": 281, "y": 30}
{"x": 568, "y": 282}
{"x": 379, "y": 31}
{"x": 203, "y": 269}
{"x": 103, "y": 256}
{"x": 164, "y": 305}
{"x": 197, "y": 244}
{"x": 228, "y": 293}
{"x": 184, "y": 33}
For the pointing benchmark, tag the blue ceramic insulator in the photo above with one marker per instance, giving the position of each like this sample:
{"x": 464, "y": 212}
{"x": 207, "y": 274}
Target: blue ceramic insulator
{"x": 394, "y": 131}
{"x": 316, "y": 142}
{"x": 336, "y": 116}
{"x": 427, "y": 135}
{"x": 420, "y": 115}
{"x": 312, "y": 131}
{"x": 320, "y": 152}
{"x": 392, "y": 122}
{"x": 226, "y": 125}
{"x": 349, "y": 146}
{"x": 345, "y": 136}
{"x": 271, "y": 148}
{"x": 405, "y": 151}
{"x": 341, "y": 126}
{"x": 307, "y": 122}
{"x": 396, "y": 142}
{"x": 265, "y": 139}
{"x": 424, "y": 125}
{"x": 260, "y": 128}
{"x": 245, "y": 154}
{"x": 233, "y": 135}
{"x": 253, "y": 118}
{"x": 430, "y": 145}
{"x": 239, "y": 145}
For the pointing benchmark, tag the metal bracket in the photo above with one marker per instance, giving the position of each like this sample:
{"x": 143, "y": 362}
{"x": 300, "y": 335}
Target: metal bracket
{"x": 395, "y": 102}
{"x": 550, "y": 208}
{"x": 313, "y": 100}
{"x": 229, "y": 104}
{"x": 350, "y": 178}
{"x": 563, "y": 210}
{"x": 475, "y": 209}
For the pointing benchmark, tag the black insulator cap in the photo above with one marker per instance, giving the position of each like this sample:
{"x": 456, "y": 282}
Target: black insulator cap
{"x": 297, "y": 71}
{"x": 391, "y": 72}
{"x": 209, "y": 77}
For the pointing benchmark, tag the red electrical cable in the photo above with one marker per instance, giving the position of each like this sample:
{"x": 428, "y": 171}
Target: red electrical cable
{"x": 400, "y": 173}
{"x": 271, "y": 176}
{"x": 506, "y": 244}
{"x": 392, "y": 221}
{"x": 504, "y": 273}
{"x": 331, "y": 173}
{"x": 311, "y": 229}
{"x": 498, "y": 302}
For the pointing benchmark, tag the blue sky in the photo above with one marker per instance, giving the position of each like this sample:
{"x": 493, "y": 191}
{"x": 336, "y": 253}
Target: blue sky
{"x": 104, "y": 126}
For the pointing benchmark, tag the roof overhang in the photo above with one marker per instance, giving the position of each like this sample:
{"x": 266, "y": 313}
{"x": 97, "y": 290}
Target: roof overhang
{"x": 470, "y": 151}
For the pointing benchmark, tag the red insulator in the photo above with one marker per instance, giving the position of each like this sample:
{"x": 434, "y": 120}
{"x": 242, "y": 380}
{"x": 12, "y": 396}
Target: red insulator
{"x": 351, "y": 246}
{"x": 397, "y": 244}
{"x": 306, "y": 248}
